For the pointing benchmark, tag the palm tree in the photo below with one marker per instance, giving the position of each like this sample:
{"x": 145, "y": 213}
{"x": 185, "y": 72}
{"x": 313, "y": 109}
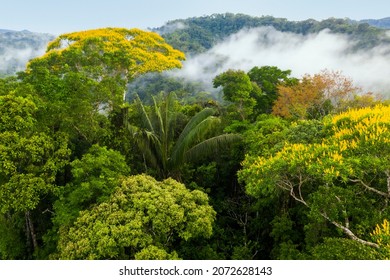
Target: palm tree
{"x": 166, "y": 149}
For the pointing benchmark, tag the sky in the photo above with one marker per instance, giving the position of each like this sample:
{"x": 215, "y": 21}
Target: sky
{"x": 58, "y": 17}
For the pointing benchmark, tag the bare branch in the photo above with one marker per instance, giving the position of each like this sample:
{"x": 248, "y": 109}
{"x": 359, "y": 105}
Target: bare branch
{"x": 345, "y": 229}
{"x": 387, "y": 172}
{"x": 349, "y": 233}
{"x": 387, "y": 195}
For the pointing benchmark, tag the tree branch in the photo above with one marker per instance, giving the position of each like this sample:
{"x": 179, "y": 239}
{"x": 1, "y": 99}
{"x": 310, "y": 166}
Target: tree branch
{"x": 349, "y": 233}
{"x": 345, "y": 229}
{"x": 387, "y": 195}
{"x": 387, "y": 172}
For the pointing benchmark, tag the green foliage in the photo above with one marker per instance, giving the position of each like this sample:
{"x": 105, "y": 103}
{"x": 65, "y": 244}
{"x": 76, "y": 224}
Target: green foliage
{"x": 312, "y": 189}
{"x": 83, "y": 76}
{"x": 238, "y": 88}
{"x": 30, "y": 159}
{"x": 343, "y": 249}
{"x": 266, "y": 135}
{"x": 12, "y": 243}
{"x": 380, "y": 23}
{"x": 95, "y": 177}
{"x": 342, "y": 180}
{"x": 268, "y": 78}
{"x": 165, "y": 145}
{"x": 108, "y": 52}
{"x": 154, "y": 253}
{"x": 197, "y": 34}
{"x": 141, "y": 212}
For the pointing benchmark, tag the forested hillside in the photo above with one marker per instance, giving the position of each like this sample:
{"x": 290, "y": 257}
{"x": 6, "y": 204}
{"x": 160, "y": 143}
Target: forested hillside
{"x": 17, "y": 47}
{"x": 195, "y": 35}
{"x": 380, "y": 23}
{"x": 104, "y": 158}
{"x": 210, "y": 41}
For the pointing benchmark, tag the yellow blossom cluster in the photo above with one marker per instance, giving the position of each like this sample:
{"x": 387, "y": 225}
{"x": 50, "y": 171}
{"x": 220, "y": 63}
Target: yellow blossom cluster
{"x": 367, "y": 124}
{"x": 131, "y": 51}
{"x": 356, "y": 130}
{"x": 381, "y": 234}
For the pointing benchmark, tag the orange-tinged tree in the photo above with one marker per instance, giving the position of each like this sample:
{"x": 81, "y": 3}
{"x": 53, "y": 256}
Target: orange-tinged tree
{"x": 314, "y": 96}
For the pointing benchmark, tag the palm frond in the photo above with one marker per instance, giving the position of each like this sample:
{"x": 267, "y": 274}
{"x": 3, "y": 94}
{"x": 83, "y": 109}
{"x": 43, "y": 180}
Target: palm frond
{"x": 211, "y": 146}
{"x": 144, "y": 115}
{"x": 197, "y": 134}
{"x": 194, "y": 121}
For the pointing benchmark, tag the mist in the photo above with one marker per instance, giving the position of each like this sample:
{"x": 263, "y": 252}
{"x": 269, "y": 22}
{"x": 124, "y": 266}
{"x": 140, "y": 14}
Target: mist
{"x": 18, "y": 47}
{"x": 12, "y": 59}
{"x": 303, "y": 54}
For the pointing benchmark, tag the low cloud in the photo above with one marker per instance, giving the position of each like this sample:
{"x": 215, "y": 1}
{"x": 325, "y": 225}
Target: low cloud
{"x": 171, "y": 27}
{"x": 12, "y": 59}
{"x": 303, "y": 54}
{"x": 18, "y": 47}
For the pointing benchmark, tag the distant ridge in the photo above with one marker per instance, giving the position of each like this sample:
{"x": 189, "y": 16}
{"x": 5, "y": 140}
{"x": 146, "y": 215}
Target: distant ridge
{"x": 380, "y": 23}
{"x": 198, "y": 34}
{"x": 6, "y": 30}
{"x": 18, "y": 47}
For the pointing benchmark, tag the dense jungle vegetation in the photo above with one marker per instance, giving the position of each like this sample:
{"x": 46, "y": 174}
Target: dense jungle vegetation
{"x": 278, "y": 167}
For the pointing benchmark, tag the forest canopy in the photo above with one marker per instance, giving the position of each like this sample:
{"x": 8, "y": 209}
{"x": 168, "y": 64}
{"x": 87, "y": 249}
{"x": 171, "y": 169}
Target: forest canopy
{"x": 277, "y": 167}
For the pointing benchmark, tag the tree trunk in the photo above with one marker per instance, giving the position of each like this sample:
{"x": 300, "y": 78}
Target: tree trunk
{"x": 30, "y": 231}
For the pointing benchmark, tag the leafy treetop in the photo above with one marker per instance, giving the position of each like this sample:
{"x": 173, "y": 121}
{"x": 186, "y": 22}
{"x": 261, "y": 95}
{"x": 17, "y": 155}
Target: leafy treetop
{"x": 349, "y": 167}
{"x": 110, "y": 51}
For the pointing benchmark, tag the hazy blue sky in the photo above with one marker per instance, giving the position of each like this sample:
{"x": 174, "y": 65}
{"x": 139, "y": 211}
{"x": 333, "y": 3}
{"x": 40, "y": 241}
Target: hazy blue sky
{"x": 54, "y": 16}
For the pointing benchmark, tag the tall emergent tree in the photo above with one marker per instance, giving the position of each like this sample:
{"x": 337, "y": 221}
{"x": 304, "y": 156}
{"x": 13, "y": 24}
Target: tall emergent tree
{"x": 268, "y": 79}
{"x": 62, "y": 100}
{"x": 238, "y": 89}
{"x": 84, "y": 75}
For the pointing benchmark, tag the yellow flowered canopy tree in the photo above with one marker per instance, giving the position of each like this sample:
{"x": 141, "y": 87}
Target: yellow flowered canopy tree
{"x": 109, "y": 51}
{"x": 84, "y": 75}
{"x": 343, "y": 179}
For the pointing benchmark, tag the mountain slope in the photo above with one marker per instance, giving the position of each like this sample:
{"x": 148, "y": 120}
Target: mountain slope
{"x": 195, "y": 35}
{"x": 380, "y": 23}
{"x": 17, "y": 47}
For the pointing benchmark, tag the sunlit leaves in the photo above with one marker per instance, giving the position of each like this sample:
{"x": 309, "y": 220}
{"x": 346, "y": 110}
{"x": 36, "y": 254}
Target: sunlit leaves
{"x": 166, "y": 145}
{"x": 381, "y": 234}
{"x": 337, "y": 176}
{"x": 30, "y": 159}
{"x": 313, "y": 96}
{"x": 84, "y": 75}
{"x": 141, "y": 216}
{"x": 110, "y": 51}
{"x": 237, "y": 88}
{"x": 95, "y": 177}
{"x": 338, "y": 155}
{"x": 17, "y": 112}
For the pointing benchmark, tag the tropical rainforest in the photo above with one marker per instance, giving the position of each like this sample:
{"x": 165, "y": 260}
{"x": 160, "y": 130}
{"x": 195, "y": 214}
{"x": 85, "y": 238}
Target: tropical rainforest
{"x": 104, "y": 157}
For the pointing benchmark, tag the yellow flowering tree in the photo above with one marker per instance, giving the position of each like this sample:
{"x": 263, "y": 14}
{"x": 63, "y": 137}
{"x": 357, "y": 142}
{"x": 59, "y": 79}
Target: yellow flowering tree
{"x": 84, "y": 75}
{"x": 343, "y": 179}
{"x": 109, "y": 52}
